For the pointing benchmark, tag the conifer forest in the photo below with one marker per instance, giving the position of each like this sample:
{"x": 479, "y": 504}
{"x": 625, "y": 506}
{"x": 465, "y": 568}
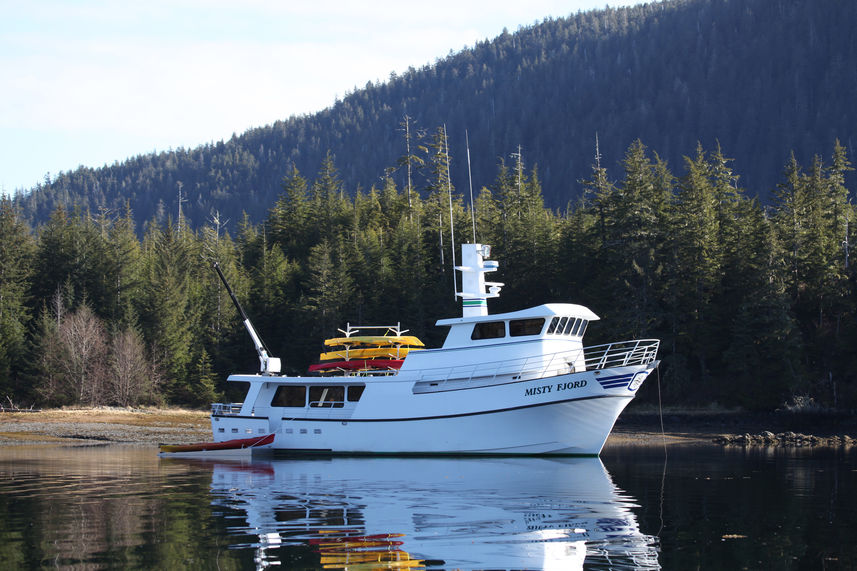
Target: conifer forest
{"x": 755, "y": 304}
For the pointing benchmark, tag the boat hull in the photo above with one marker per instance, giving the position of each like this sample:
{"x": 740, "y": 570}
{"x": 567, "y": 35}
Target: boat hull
{"x": 570, "y": 414}
{"x": 577, "y": 427}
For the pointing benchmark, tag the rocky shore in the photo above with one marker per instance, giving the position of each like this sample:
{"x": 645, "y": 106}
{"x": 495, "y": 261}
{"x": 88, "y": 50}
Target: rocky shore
{"x": 783, "y": 439}
{"x": 782, "y": 429}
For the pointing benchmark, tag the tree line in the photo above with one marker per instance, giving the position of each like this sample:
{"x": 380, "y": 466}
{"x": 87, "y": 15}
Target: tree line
{"x": 755, "y": 304}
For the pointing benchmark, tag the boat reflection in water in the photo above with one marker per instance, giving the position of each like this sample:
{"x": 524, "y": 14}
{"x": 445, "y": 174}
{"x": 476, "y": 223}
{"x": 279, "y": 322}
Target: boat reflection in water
{"x": 379, "y": 513}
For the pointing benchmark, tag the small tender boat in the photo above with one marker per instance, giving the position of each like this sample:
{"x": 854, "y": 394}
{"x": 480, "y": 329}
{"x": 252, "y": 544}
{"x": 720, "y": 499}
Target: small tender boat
{"x": 511, "y": 383}
{"x": 236, "y": 447}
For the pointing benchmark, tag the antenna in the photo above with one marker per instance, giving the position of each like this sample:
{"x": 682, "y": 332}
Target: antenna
{"x": 451, "y": 222}
{"x": 407, "y": 121}
{"x": 180, "y": 184}
{"x": 470, "y": 179}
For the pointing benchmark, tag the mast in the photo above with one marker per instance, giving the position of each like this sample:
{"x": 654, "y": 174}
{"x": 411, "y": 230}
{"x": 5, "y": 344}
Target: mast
{"x": 268, "y": 365}
{"x": 470, "y": 179}
{"x": 474, "y": 298}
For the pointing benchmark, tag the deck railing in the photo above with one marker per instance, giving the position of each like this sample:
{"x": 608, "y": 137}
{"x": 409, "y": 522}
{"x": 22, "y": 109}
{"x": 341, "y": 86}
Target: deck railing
{"x": 228, "y": 408}
{"x": 622, "y": 353}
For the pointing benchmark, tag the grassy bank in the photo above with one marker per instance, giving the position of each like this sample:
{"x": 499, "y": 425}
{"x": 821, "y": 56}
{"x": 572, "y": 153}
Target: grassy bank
{"x": 144, "y": 426}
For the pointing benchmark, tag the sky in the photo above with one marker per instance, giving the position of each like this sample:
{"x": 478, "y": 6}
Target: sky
{"x": 92, "y": 82}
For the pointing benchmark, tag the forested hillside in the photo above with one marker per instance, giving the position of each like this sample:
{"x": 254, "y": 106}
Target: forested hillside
{"x": 756, "y": 306}
{"x": 763, "y": 78}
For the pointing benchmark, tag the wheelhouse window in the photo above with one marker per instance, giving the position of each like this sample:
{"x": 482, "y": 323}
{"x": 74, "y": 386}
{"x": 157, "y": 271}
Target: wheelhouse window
{"x": 327, "y": 396}
{"x": 569, "y": 326}
{"x": 290, "y": 396}
{"x": 521, "y": 327}
{"x": 489, "y": 330}
{"x": 355, "y": 392}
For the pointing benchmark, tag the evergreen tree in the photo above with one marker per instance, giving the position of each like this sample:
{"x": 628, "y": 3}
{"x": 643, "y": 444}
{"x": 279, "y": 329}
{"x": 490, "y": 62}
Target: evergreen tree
{"x": 635, "y": 221}
{"x": 16, "y": 257}
{"x": 203, "y": 389}
{"x": 71, "y": 254}
{"x": 696, "y": 271}
{"x": 166, "y": 312}
{"x": 329, "y": 203}
{"x": 48, "y": 376}
{"x": 289, "y": 221}
{"x": 761, "y": 365}
{"x": 122, "y": 270}
{"x": 329, "y": 289}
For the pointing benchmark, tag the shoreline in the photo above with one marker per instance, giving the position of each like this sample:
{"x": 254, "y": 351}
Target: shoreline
{"x": 153, "y": 426}
{"x": 70, "y": 426}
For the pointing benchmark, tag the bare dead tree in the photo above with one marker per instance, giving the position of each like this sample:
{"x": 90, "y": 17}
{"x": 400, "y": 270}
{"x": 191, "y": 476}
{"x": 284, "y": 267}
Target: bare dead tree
{"x": 129, "y": 381}
{"x": 84, "y": 339}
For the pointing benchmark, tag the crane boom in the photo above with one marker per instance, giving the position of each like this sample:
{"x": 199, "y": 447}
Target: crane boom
{"x": 269, "y": 365}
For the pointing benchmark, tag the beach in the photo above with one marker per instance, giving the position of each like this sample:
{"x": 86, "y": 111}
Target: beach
{"x": 105, "y": 424}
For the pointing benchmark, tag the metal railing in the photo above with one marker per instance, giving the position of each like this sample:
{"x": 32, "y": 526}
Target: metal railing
{"x": 223, "y": 409}
{"x": 622, "y": 353}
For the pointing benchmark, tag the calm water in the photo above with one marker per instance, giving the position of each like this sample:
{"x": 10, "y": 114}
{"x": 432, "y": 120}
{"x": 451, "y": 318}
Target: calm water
{"x": 706, "y": 507}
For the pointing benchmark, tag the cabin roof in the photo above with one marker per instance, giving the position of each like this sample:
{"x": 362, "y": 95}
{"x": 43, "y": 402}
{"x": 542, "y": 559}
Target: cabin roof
{"x": 545, "y": 310}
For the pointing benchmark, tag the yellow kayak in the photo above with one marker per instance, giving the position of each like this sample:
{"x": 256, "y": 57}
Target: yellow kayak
{"x": 373, "y": 353}
{"x": 376, "y": 340}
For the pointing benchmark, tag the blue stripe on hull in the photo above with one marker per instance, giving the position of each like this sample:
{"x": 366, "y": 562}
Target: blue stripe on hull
{"x": 616, "y": 381}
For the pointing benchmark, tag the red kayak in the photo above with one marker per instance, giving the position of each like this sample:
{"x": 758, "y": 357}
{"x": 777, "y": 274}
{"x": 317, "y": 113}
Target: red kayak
{"x": 357, "y": 365}
{"x": 237, "y": 444}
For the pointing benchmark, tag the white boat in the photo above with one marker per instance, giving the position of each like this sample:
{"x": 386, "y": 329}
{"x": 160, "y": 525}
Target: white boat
{"x": 509, "y": 383}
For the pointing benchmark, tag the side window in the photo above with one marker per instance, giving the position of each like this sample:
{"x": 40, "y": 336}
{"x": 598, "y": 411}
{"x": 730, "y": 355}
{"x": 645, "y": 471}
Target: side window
{"x": 489, "y": 330}
{"x": 552, "y": 326}
{"x": 290, "y": 395}
{"x": 521, "y": 327}
{"x": 236, "y": 390}
{"x": 327, "y": 397}
{"x": 355, "y": 392}
{"x": 583, "y": 327}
